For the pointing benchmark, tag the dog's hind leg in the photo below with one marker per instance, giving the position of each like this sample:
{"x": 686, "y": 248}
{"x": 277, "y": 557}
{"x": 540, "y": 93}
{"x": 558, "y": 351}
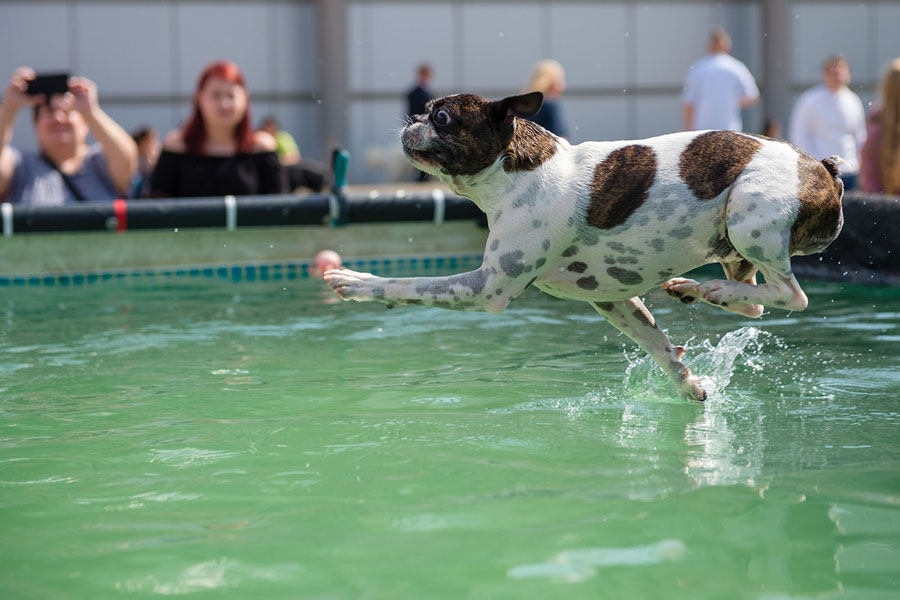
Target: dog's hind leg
{"x": 765, "y": 208}
{"x": 742, "y": 271}
{"x": 633, "y": 319}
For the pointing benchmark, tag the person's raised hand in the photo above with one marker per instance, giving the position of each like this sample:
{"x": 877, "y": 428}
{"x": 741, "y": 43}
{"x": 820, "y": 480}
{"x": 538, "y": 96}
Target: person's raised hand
{"x": 84, "y": 95}
{"x": 16, "y": 96}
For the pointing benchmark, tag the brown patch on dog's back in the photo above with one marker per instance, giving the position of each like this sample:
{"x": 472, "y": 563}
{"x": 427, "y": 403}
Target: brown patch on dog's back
{"x": 820, "y": 218}
{"x": 530, "y": 147}
{"x": 620, "y": 186}
{"x": 713, "y": 160}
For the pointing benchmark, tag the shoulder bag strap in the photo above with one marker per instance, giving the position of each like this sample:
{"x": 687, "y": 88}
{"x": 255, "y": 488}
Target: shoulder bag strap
{"x": 66, "y": 179}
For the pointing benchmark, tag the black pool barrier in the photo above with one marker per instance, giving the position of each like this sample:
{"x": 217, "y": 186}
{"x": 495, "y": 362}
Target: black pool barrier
{"x": 335, "y": 208}
{"x": 868, "y": 248}
{"x": 234, "y": 212}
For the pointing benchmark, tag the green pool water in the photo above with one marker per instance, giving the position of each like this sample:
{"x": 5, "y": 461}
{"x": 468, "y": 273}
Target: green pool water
{"x": 254, "y": 440}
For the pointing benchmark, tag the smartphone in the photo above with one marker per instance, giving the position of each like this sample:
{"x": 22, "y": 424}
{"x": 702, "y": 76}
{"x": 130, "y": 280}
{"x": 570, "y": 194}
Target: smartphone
{"x": 49, "y": 84}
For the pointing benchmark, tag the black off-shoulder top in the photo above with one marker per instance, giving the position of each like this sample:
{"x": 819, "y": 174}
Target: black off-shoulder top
{"x": 192, "y": 175}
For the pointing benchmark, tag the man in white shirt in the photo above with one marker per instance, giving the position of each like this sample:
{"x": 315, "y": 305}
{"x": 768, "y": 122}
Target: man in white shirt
{"x": 829, "y": 119}
{"x": 718, "y": 86}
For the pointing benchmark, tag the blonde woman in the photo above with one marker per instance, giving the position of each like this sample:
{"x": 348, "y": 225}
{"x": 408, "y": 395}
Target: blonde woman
{"x": 880, "y": 155}
{"x": 549, "y": 78}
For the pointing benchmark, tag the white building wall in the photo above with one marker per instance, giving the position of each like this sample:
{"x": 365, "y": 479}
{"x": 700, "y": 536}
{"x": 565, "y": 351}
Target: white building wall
{"x": 625, "y": 59}
{"x": 145, "y": 56}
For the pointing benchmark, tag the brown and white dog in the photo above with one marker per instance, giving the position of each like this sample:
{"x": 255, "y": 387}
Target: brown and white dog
{"x": 603, "y": 222}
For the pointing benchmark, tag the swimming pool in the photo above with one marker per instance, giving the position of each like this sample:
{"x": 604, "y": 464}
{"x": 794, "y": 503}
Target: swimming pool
{"x": 196, "y": 436}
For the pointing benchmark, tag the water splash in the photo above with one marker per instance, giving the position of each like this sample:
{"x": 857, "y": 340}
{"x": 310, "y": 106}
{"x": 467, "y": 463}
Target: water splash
{"x": 715, "y": 364}
{"x": 644, "y": 381}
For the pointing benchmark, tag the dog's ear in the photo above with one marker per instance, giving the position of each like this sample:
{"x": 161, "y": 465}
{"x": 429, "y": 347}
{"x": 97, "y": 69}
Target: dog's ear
{"x": 524, "y": 106}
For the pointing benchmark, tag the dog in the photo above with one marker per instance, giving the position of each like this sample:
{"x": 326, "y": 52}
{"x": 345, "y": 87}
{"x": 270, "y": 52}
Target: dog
{"x": 603, "y": 222}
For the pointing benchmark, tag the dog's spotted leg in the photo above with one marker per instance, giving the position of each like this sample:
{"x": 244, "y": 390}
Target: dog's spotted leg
{"x": 745, "y": 297}
{"x": 689, "y": 291}
{"x": 505, "y": 273}
{"x": 633, "y": 319}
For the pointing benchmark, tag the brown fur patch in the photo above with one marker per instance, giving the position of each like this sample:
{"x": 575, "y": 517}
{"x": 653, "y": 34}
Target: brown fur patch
{"x": 577, "y": 267}
{"x": 620, "y": 186}
{"x": 819, "y": 219}
{"x": 530, "y": 146}
{"x": 713, "y": 160}
{"x": 742, "y": 270}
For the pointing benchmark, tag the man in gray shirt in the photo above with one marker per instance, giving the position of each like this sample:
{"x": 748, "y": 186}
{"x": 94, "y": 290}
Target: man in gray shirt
{"x": 65, "y": 168}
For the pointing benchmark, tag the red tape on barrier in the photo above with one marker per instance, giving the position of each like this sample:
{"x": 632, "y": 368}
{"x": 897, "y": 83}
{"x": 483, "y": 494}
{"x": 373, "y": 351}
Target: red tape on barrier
{"x": 120, "y": 208}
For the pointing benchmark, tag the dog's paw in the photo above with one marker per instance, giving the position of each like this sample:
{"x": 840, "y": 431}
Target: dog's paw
{"x": 686, "y": 290}
{"x": 693, "y": 389}
{"x": 352, "y": 285}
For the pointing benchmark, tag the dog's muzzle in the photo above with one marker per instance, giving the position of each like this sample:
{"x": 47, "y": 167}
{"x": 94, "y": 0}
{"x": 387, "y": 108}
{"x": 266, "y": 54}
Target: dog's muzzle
{"x": 418, "y": 140}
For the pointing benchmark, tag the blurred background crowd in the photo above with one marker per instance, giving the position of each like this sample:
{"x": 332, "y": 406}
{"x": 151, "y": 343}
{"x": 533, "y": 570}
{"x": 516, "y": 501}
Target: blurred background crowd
{"x": 194, "y": 98}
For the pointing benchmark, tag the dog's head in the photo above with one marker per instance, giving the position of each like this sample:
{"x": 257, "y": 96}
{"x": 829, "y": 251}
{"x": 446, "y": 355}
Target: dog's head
{"x": 464, "y": 134}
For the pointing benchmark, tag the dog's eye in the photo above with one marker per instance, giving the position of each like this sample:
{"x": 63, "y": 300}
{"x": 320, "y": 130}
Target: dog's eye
{"x": 442, "y": 117}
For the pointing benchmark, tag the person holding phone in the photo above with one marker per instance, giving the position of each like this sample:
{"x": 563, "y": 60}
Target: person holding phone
{"x": 216, "y": 152}
{"x": 64, "y": 168}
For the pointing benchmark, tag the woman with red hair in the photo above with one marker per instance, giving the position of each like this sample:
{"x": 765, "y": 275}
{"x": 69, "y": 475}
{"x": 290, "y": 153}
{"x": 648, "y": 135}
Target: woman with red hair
{"x": 217, "y": 153}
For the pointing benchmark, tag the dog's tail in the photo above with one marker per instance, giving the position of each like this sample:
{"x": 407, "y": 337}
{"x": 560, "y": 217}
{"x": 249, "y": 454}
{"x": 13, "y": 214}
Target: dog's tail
{"x": 831, "y": 165}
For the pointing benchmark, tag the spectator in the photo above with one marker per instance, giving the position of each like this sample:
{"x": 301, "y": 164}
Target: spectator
{"x": 879, "y": 171}
{"x": 420, "y": 94}
{"x": 147, "y": 140}
{"x": 65, "y": 168}
{"x": 417, "y": 99}
{"x": 829, "y": 119}
{"x": 301, "y": 173}
{"x": 717, "y": 87}
{"x": 549, "y": 78}
{"x": 285, "y": 145}
{"x": 217, "y": 153}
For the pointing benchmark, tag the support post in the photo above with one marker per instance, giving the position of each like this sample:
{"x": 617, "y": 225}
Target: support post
{"x": 332, "y": 16}
{"x": 776, "y": 61}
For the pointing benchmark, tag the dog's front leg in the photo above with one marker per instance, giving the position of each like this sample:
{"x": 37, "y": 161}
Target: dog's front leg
{"x": 633, "y": 319}
{"x": 475, "y": 290}
{"x": 508, "y": 268}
